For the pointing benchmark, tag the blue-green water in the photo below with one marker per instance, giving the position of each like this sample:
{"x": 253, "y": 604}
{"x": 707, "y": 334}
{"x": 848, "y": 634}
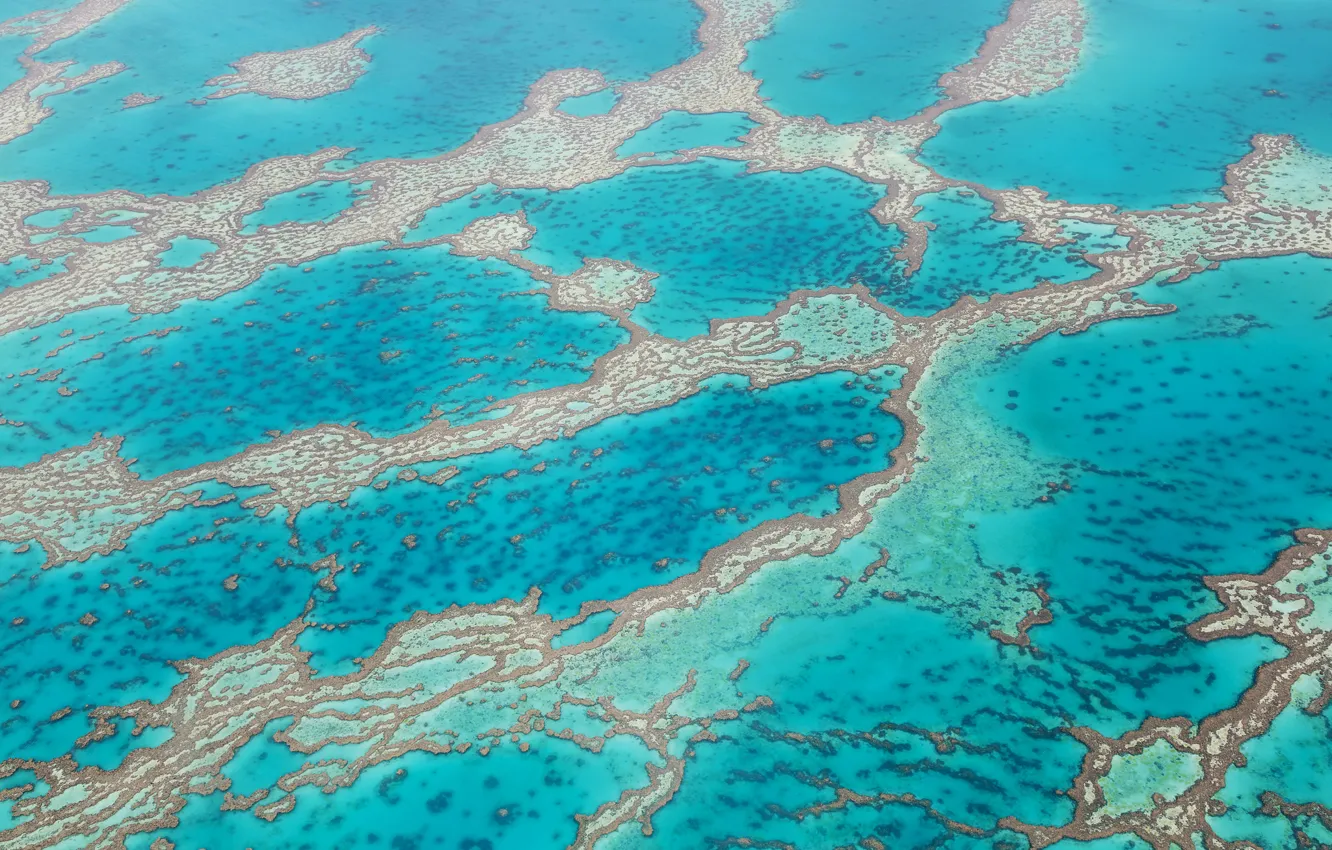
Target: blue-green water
{"x": 1156, "y": 112}
{"x": 440, "y": 71}
{"x": 799, "y": 582}
{"x": 677, "y": 131}
{"x": 698, "y": 224}
{"x": 850, "y": 60}
{"x": 442, "y": 334}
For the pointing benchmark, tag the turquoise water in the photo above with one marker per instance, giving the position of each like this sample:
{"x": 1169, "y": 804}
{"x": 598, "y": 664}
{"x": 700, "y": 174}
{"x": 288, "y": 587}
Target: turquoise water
{"x": 321, "y": 201}
{"x": 510, "y": 798}
{"x": 1155, "y": 113}
{"x": 50, "y": 218}
{"x": 622, "y": 505}
{"x": 851, "y": 60}
{"x": 438, "y": 73}
{"x": 596, "y": 103}
{"x": 10, "y": 69}
{"x": 164, "y": 600}
{"x": 385, "y": 337}
{"x": 23, "y": 269}
{"x": 1287, "y": 763}
{"x": 712, "y": 601}
{"x": 186, "y": 251}
{"x": 677, "y": 131}
{"x": 971, "y": 254}
{"x": 758, "y": 237}
{"x": 1121, "y": 554}
{"x": 915, "y": 673}
{"x": 1242, "y": 370}
{"x": 724, "y": 243}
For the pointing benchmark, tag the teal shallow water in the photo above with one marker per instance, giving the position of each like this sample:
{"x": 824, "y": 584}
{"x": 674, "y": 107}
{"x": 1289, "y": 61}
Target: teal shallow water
{"x": 439, "y": 72}
{"x": 384, "y": 336}
{"x": 1150, "y": 510}
{"x": 850, "y": 60}
{"x": 1241, "y": 371}
{"x": 969, "y": 253}
{"x": 319, "y": 202}
{"x": 752, "y": 239}
{"x": 1113, "y": 469}
{"x": 724, "y": 243}
{"x": 626, "y": 504}
{"x": 1137, "y": 665}
{"x": 678, "y": 131}
{"x": 185, "y": 610}
{"x": 1155, "y": 113}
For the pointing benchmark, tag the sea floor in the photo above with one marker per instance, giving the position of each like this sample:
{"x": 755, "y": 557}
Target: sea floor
{"x": 718, "y": 424}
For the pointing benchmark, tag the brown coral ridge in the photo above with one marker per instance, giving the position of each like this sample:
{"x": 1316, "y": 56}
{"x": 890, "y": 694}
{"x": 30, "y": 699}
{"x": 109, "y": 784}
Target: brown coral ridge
{"x": 287, "y": 686}
{"x": 1040, "y": 616}
{"x": 228, "y": 700}
{"x": 1215, "y": 231}
{"x": 136, "y": 99}
{"x": 1275, "y": 805}
{"x": 1254, "y": 221}
{"x": 22, "y": 108}
{"x": 75, "y": 484}
{"x": 610, "y": 287}
{"x": 327, "y": 463}
{"x": 844, "y": 797}
{"x": 304, "y": 73}
{"x": 723, "y": 569}
{"x": 1033, "y": 51}
{"x": 540, "y": 147}
{"x": 1253, "y": 605}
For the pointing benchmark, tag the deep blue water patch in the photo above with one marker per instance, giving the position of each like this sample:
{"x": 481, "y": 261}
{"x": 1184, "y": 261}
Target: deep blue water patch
{"x": 380, "y": 338}
{"x": 636, "y": 500}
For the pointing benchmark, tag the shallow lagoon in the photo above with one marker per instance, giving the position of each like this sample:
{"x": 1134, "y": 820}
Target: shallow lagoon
{"x": 1155, "y": 113}
{"x": 1112, "y": 469}
{"x": 438, "y": 73}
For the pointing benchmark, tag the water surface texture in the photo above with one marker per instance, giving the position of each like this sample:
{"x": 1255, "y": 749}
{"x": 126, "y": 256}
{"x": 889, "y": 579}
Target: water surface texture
{"x": 720, "y": 424}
